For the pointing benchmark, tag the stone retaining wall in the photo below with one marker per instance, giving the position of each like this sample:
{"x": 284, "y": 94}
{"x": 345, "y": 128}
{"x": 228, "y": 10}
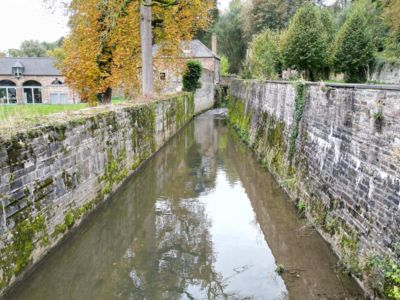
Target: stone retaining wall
{"x": 53, "y": 176}
{"x": 335, "y": 149}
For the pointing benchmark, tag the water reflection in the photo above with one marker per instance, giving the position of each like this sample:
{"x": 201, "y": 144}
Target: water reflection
{"x": 184, "y": 227}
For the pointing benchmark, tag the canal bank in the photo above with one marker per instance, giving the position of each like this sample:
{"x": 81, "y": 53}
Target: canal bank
{"x": 200, "y": 220}
{"x": 52, "y": 176}
{"x": 335, "y": 150}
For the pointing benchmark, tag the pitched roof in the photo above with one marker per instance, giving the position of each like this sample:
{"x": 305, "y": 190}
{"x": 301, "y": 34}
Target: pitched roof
{"x": 192, "y": 49}
{"x": 33, "y": 66}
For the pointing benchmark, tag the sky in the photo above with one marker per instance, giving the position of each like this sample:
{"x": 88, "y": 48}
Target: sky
{"x": 33, "y": 20}
{"x": 29, "y": 20}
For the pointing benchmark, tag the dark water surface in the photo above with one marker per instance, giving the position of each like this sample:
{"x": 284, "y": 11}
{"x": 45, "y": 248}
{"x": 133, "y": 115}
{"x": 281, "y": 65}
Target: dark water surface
{"x": 200, "y": 220}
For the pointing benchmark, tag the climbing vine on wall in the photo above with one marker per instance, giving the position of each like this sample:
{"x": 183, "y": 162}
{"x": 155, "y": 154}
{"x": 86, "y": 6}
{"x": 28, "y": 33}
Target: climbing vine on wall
{"x": 300, "y": 100}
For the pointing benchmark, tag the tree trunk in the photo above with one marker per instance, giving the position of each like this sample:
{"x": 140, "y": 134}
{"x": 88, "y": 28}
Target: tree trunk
{"x": 147, "y": 55}
{"x": 105, "y": 98}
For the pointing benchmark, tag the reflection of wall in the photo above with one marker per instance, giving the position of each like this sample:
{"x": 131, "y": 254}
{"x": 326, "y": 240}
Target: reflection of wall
{"x": 294, "y": 244}
{"x": 66, "y": 169}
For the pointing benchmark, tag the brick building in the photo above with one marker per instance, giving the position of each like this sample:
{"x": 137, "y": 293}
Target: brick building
{"x": 33, "y": 80}
{"x": 168, "y": 74}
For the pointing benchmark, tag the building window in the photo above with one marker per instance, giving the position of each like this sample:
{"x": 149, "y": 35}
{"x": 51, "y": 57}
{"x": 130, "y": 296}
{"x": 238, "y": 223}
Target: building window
{"x": 32, "y": 92}
{"x": 163, "y": 76}
{"x": 18, "y": 69}
{"x": 57, "y": 82}
{"x": 58, "y": 98}
{"x": 8, "y": 92}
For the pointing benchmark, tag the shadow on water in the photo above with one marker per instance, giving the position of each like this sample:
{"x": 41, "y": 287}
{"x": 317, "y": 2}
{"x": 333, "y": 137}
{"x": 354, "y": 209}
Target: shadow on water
{"x": 201, "y": 220}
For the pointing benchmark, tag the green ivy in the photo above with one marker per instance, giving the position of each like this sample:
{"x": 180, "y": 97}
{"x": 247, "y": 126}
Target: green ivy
{"x": 300, "y": 101}
{"x": 192, "y": 76}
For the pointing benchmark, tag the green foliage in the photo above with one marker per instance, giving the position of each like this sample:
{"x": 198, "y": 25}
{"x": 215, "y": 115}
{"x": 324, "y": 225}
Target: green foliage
{"x": 390, "y": 16}
{"x": 298, "y": 115}
{"x": 301, "y": 206}
{"x": 350, "y": 252}
{"x": 69, "y": 219}
{"x": 16, "y": 253}
{"x": 239, "y": 118}
{"x": 32, "y": 49}
{"x": 265, "y": 57}
{"x": 258, "y": 15}
{"x": 204, "y": 35}
{"x": 192, "y": 76}
{"x": 230, "y": 37}
{"x": 383, "y": 276}
{"x": 224, "y": 65}
{"x": 354, "y": 49}
{"x": 280, "y": 269}
{"x": 305, "y": 44}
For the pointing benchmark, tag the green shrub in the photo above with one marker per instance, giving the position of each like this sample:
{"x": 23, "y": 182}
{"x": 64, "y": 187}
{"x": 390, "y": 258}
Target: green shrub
{"x": 354, "y": 49}
{"x": 192, "y": 76}
{"x": 224, "y": 65}
{"x": 265, "y": 59}
{"x": 280, "y": 269}
{"x": 384, "y": 277}
{"x": 304, "y": 45}
{"x": 69, "y": 219}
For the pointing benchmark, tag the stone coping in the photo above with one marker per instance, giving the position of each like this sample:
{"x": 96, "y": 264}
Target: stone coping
{"x": 387, "y": 87}
{"x": 8, "y": 131}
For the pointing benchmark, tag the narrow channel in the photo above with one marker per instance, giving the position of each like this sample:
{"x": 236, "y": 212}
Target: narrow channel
{"x": 200, "y": 220}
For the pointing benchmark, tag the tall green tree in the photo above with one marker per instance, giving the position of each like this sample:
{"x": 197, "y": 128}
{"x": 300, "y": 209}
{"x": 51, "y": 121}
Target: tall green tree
{"x": 230, "y": 37}
{"x": 391, "y": 17}
{"x": 304, "y": 45}
{"x": 354, "y": 48}
{"x": 33, "y": 48}
{"x": 14, "y": 52}
{"x": 204, "y": 35}
{"x": 264, "y": 60}
{"x": 258, "y": 15}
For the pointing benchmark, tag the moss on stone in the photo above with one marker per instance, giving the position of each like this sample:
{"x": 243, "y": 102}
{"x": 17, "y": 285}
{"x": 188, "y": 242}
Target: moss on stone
{"x": 16, "y": 252}
{"x": 14, "y": 149}
{"x": 115, "y": 170}
{"x": 31, "y": 232}
{"x": 67, "y": 179}
{"x": 239, "y": 117}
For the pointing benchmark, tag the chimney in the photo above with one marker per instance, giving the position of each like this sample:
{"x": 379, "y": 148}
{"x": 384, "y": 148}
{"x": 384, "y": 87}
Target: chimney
{"x": 214, "y": 43}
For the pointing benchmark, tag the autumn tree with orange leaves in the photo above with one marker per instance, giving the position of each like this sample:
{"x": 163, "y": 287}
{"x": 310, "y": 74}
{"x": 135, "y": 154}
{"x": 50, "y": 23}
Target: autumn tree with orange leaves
{"x": 103, "y": 49}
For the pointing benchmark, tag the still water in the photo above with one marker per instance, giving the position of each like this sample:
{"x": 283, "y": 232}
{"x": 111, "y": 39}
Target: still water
{"x": 200, "y": 220}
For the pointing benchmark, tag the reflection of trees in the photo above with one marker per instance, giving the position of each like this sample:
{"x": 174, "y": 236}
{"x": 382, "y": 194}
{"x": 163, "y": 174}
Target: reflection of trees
{"x": 152, "y": 240}
{"x": 172, "y": 256}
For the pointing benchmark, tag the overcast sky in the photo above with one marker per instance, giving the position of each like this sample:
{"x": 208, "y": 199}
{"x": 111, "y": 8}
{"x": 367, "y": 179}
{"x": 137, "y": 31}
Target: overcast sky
{"x": 31, "y": 20}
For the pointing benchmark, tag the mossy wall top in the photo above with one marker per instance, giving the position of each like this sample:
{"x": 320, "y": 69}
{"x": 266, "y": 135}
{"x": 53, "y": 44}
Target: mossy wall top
{"x": 340, "y": 153}
{"x": 50, "y": 177}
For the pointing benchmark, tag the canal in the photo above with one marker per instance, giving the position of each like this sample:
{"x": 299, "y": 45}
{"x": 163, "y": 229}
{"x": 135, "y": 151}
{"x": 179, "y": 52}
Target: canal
{"x": 200, "y": 220}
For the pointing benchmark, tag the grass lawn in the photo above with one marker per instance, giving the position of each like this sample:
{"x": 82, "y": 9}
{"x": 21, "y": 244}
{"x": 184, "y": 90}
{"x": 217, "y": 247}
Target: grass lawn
{"x": 16, "y": 118}
{"x": 34, "y": 110}
{"x": 29, "y": 111}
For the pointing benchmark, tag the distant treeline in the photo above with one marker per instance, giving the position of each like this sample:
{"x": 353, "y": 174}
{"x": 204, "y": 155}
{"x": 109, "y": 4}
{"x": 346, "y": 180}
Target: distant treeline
{"x": 263, "y": 38}
{"x": 33, "y": 48}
